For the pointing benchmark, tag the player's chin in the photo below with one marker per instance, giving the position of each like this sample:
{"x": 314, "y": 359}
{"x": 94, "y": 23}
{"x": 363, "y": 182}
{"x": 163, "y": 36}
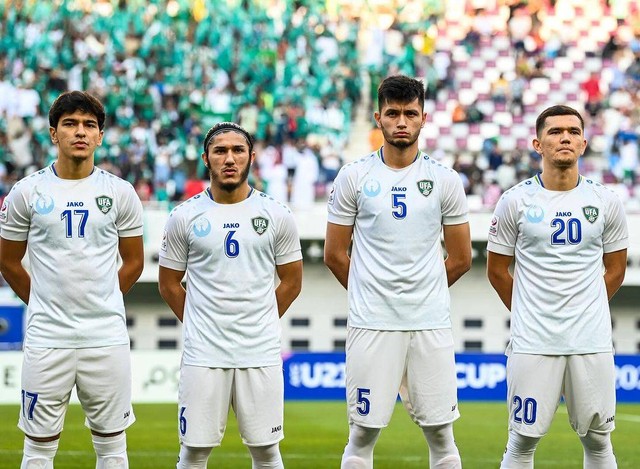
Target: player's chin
{"x": 403, "y": 142}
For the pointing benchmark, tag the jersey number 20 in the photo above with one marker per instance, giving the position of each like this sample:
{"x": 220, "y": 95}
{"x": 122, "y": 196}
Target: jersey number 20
{"x": 569, "y": 231}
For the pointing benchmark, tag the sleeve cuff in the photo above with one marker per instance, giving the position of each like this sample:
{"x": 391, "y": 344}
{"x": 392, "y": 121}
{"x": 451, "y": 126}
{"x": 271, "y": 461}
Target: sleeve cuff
{"x": 500, "y": 249}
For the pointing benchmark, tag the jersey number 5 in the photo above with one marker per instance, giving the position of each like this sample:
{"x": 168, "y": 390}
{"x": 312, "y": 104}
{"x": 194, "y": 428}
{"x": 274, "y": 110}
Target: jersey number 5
{"x": 399, "y": 207}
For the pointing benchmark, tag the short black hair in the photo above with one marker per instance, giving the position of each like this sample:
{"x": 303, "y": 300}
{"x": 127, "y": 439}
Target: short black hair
{"x": 72, "y": 101}
{"x": 400, "y": 88}
{"x": 224, "y": 127}
{"x": 557, "y": 110}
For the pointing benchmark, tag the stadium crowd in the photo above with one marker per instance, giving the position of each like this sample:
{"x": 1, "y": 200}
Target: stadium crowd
{"x": 291, "y": 73}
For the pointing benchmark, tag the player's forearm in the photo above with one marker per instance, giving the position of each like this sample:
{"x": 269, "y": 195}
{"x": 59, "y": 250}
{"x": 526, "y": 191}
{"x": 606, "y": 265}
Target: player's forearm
{"x": 175, "y": 296}
{"x": 339, "y": 267}
{"x": 613, "y": 281}
{"x": 128, "y": 274}
{"x": 286, "y": 293}
{"x": 503, "y": 285}
{"x": 19, "y": 281}
{"x": 456, "y": 267}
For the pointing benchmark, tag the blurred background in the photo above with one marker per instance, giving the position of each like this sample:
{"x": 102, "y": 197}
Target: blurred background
{"x": 302, "y": 77}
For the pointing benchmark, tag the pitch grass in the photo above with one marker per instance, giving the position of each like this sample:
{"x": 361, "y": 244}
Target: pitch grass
{"x": 315, "y": 436}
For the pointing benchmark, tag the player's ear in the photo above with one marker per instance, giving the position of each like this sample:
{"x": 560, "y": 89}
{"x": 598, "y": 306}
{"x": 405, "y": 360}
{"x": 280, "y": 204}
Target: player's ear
{"x": 205, "y": 160}
{"x": 52, "y": 134}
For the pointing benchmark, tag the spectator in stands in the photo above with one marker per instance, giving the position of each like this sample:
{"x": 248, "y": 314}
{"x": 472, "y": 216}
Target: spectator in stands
{"x": 500, "y": 89}
{"x": 593, "y": 101}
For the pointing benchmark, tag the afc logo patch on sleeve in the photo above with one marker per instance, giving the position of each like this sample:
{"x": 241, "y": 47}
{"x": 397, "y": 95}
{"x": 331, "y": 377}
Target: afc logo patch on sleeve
{"x": 332, "y": 195}
{"x": 163, "y": 244}
{"x": 4, "y": 210}
{"x": 493, "y": 228}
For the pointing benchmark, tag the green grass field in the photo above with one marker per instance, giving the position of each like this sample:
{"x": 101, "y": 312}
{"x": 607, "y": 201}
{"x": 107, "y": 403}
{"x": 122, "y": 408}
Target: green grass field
{"x": 316, "y": 433}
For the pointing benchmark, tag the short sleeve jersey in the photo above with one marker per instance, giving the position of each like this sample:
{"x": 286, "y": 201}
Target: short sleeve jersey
{"x": 229, "y": 253}
{"x": 72, "y": 229}
{"x": 397, "y": 277}
{"x": 558, "y": 238}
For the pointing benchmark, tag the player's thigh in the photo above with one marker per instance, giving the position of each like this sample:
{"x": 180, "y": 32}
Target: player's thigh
{"x": 258, "y": 401}
{"x": 48, "y": 376}
{"x": 534, "y": 387}
{"x": 204, "y": 397}
{"x": 375, "y": 365}
{"x": 590, "y": 392}
{"x": 429, "y": 389}
{"x": 104, "y": 387}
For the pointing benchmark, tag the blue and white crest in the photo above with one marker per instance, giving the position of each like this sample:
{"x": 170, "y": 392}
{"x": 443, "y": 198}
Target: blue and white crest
{"x": 44, "y": 204}
{"x": 201, "y": 227}
{"x": 371, "y": 188}
{"x": 534, "y": 214}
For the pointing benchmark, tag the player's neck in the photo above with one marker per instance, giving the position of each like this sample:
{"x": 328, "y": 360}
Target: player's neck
{"x": 233, "y": 197}
{"x": 73, "y": 168}
{"x": 398, "y": 158}
{"x": 555, "y": 179}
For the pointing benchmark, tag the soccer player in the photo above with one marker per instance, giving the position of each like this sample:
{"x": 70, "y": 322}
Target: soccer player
{"x": 231, "y": 240}
{"x": 568, "y": 235}
{"x": 74, "y": 219}
{"x": 395, "y": 203}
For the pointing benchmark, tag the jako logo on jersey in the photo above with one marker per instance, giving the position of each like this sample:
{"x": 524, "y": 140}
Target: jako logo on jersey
{"x": 276, "y": 429}
{"x": 563, "y": 214}
{"x": 104, "y": 203}
{"x": 535, "y": 214}
{"x": 75, "y": 204}
{"x": 44, "y": 205}
{"x": 260, "y": 224}
{"x": 371, "y": 188}
{"x": 425, "y": 187}
{"x": 591, "y": 213}
{"x": 231, "y": 225}
{"x": 398, "y": 189}
{"x": 201, "y": 227}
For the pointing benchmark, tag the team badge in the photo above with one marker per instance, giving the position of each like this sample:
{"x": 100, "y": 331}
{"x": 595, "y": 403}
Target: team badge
{"x": 534, "y": 214}
{"x": 104, "y": 203}
{"x": 44, "y": 204}
{"x": 425, "y": 187}
{"x": 260, "y": 224}
{"x": 201, "y": 227}
{"x": 591, "y": 213}
{"x": 371, "y": 188}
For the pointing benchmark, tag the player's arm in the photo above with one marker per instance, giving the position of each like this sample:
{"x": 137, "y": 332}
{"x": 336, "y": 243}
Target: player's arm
{"x": 11, "y": 255}
{"x": 290, "y": 276}
{"x": 615, "y": 265}
{"x": 457, "y": 242}
{"x": 172, "y": 291}
{"x": 499, "y": 276}
{"x": 131, "y": 251}
{"x": 336, "y": 251}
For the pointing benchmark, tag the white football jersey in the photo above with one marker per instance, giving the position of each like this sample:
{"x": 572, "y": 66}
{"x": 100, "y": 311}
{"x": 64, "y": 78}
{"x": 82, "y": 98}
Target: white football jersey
{"x": 397, "y": 277}
{"x": 230, "y": 253}
{"x": 559, "y": 304}
{"x": 72, "y": 228}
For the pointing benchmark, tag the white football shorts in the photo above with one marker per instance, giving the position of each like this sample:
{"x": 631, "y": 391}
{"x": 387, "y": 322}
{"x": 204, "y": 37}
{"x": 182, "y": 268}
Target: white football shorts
{"x": 206, "y": 394}
{"x": 101, "y": 375}
{"x": 535, "y": 384}
{"x": 420, "y": 365}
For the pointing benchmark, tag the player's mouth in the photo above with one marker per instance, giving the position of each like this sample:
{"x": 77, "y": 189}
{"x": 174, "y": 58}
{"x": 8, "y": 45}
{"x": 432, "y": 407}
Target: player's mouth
{"x": 401, "y": 134}
{"x": 229, "y": 172}
{"x": 81, "y": 145}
